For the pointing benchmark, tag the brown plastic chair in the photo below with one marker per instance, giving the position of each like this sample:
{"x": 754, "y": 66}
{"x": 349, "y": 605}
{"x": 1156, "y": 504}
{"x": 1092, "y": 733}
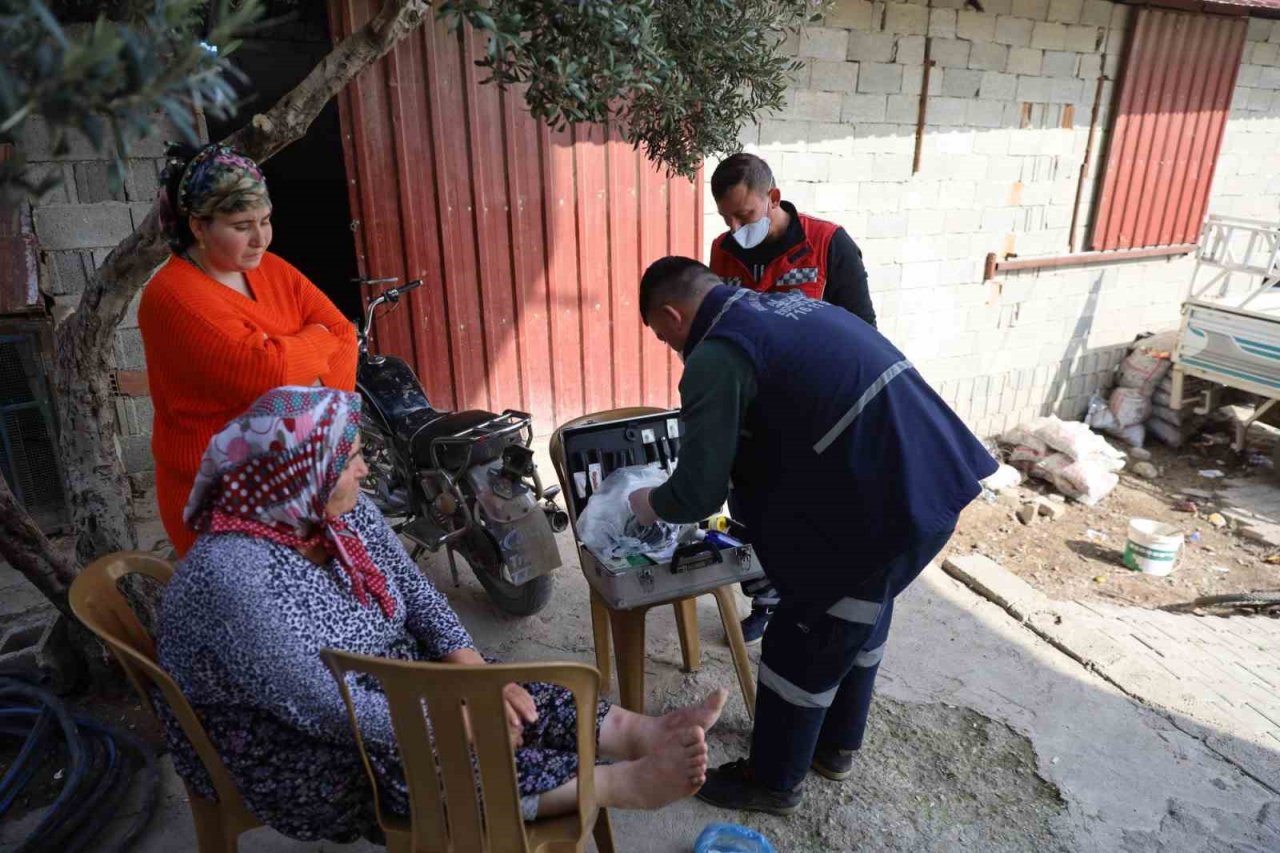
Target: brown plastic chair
{"x": 448, "y": 810}
{"x": 97, "y": 601}
{"x": 628, "y": 626}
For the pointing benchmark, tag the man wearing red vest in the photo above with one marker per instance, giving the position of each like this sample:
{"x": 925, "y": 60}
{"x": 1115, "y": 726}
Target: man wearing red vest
{"x": 770, "y": 246}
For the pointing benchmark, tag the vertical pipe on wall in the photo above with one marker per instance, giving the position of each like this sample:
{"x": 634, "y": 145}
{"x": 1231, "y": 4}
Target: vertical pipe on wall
{"x": 924, "y": 106}
{"x": 1088, "y": 161}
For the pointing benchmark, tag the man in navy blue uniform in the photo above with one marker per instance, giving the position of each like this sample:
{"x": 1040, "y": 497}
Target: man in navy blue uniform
{"x": 849, "y": 473}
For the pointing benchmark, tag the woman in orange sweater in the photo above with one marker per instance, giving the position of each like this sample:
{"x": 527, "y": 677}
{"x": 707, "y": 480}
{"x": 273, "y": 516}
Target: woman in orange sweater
{"x": 224, "y": 320}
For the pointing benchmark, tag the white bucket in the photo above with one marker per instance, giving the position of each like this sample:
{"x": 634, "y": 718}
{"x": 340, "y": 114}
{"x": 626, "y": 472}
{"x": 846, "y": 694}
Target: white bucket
{"x": 1152, "y": 547}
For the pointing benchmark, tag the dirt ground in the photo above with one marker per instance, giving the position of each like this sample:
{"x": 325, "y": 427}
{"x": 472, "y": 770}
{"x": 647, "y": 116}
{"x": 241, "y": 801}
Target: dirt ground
{"x": 943, "y": 777}
{"x": 1079, "y": 556}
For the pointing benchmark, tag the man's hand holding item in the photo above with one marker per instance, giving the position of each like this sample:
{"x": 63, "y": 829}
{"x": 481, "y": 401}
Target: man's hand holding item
{"x": 641, "y": 508}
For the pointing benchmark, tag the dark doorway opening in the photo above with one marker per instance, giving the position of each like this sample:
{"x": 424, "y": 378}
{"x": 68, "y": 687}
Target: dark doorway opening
{"x": 307, "y": 180}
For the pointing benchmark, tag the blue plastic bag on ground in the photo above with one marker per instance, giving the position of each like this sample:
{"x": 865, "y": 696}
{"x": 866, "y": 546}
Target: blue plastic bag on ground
{"x": 731, "y": 838}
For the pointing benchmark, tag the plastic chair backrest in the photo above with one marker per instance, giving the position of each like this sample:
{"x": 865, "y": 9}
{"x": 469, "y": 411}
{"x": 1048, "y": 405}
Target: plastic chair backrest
{"x": 555, "y": 447}
{"x": 96, "y": 600}
{"x": 447, "y": 773}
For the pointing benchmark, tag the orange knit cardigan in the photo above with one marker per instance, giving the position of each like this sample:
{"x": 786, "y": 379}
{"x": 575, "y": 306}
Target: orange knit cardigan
{"x": 211, "y": 352}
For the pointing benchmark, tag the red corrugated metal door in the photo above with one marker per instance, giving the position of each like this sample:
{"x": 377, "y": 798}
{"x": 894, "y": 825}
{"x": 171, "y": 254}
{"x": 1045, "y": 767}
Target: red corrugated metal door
{"x": 531, "y": 242}
{"x": 1180, "y": 71}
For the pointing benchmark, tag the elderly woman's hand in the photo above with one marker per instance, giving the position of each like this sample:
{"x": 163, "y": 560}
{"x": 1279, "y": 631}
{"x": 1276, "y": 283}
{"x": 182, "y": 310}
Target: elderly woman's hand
{"x": 517, "y": 702}
{"x": 520, "y": 710}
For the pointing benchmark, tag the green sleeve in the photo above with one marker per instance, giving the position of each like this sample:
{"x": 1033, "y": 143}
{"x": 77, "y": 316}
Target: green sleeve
{"x": 718, "y": 385}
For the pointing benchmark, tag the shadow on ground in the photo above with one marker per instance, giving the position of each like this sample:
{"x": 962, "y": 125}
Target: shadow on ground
{"x": 1094, "y": 551}
{"x": 982, "y": 738}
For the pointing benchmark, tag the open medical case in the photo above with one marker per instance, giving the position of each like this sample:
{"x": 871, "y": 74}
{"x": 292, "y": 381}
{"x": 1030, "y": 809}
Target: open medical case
{"x": 590, "y": 450}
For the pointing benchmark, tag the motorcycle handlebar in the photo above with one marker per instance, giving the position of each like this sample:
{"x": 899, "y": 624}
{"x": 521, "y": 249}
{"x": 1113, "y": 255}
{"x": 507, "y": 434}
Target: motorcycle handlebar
{"x": 391, "y": 295}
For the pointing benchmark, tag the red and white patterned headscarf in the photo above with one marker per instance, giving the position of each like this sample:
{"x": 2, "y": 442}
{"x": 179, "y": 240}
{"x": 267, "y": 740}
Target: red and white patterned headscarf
{"x": 271, "y": 471}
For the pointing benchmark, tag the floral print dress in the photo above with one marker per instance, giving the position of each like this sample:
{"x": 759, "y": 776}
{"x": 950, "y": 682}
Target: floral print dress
{"x": 241, "y": 627}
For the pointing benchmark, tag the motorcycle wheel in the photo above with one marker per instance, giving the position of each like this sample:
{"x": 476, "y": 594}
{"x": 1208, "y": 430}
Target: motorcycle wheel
{"x": 481, "y": 553}
{"x": 380, "y": 484}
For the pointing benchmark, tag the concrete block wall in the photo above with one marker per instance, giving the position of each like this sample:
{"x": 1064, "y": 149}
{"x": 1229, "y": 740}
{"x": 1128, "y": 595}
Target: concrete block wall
{"x": 1010, "y": 101}
{"x": 76, "y": 226}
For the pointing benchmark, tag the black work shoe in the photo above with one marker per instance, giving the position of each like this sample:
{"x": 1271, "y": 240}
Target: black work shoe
{"x": 753, "y": 626}
{"x": 836, "y": 764}
{"x": 730, "y": 786}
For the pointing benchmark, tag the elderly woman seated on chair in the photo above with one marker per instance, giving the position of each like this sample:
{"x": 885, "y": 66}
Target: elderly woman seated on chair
{"x": 292, "y": 559}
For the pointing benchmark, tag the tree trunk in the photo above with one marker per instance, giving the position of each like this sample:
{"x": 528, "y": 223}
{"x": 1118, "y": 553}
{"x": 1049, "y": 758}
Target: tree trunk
{"x": 24, "y": 547}
{"x": 97, "y": 486}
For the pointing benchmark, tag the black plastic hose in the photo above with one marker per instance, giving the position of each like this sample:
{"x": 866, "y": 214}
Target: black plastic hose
{"x": 98, "y": 770}
{"x": 23, "y": 767}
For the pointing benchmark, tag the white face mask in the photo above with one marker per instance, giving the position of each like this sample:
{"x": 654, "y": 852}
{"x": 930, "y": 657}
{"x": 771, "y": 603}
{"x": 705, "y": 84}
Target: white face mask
{"x": 753, "y": 233}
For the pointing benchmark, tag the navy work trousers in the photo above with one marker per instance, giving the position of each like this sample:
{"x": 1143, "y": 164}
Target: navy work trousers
{"x": 817, "y": 669}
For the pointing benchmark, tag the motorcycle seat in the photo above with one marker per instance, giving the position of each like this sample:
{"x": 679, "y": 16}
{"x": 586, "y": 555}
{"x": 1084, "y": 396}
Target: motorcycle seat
{"x": 449, "y": 424}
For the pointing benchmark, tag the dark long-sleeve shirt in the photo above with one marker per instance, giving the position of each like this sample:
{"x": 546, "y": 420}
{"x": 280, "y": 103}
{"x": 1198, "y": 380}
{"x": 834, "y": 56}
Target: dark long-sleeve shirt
{"x": 718, "y": 385}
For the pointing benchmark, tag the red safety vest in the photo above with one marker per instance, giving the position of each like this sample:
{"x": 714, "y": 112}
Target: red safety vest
{"x": 802, "y": 267}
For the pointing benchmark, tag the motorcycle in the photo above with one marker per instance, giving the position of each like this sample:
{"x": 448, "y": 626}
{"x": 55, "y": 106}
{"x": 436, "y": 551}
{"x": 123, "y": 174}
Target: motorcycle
{"x": 464, "y": 481}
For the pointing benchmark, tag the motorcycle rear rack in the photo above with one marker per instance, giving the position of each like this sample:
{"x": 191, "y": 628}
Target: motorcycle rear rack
{"x": 497, "y": 427}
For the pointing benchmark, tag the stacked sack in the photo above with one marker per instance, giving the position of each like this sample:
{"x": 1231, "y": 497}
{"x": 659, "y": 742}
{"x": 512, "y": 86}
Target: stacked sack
{"x": 1129, "y": 409}
{"x": 1170, "y": 425}
{"x": 1077, "y": 462}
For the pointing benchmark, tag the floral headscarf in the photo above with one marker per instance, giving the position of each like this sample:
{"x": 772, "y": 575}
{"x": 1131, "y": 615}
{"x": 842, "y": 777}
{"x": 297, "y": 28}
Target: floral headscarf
{"x": 218, "y": 179}
{"x": 271, "y": 471}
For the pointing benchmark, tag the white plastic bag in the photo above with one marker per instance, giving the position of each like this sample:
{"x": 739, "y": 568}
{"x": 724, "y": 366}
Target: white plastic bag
{"x": 1087, "y": 480}
{"x": 608, "y": 528}
{"x": 1025, "y": 435}
{"x": 1075, "y": 439}
{"x": 1027, "y": 456}
{"x": 1005, "y": 477}
{"x": 1048, "y": 468}
{"x": 1099, "y": 415}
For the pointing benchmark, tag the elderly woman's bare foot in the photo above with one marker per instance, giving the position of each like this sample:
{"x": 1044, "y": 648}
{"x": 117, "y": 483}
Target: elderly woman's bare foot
{"x": 673, "y": 771}
{"x": 626, "y": 735}
{"x": 704, "y": 714}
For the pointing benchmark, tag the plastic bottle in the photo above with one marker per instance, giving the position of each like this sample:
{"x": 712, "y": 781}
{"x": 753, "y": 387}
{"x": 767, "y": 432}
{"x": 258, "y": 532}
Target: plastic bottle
{"x": 731, "y": 838}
